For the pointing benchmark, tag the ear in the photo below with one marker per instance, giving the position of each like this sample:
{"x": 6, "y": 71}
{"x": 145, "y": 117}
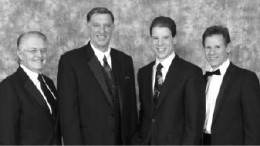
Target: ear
{"x": 19, "y": 54}
{"x": 174, "y": 40}
{"x": 228, "y": 48}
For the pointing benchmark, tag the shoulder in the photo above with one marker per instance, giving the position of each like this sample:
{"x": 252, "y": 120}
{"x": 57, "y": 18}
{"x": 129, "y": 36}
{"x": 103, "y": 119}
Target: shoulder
{"x": 75, "y": 52}
{"x": 11, "y": 80}
{"x": 245, "y": 73}
{"x": 146, "y": 68}
{"x": 187, "y": 67}
{"x": 120, "y": 54}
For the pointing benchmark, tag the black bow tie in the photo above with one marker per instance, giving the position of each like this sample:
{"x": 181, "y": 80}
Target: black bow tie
{"x": 216, "y": 72}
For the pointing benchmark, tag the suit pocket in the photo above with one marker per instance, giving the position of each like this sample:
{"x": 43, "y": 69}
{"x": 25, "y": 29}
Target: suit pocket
{"x": 127, "y": 77}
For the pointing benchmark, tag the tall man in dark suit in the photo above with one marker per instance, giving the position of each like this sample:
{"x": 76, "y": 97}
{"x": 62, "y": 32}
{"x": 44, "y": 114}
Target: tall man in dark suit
{"x": 171, "y": 93}
{"x": 28, "y": 107}
{"x": 97, "y": 88}
{"x": 232, "y": 95}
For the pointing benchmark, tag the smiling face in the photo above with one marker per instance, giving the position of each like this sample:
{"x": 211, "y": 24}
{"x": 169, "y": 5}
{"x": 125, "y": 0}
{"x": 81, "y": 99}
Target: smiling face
{"x": 101, "y": 28}
{"x": 216, "y": 50}
{"x": 162, "y": 42}
{"x": 32, "y": 53}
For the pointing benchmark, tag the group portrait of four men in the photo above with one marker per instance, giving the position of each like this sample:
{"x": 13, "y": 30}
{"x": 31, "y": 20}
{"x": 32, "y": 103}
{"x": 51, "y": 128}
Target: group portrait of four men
{"x": 95, "y": 101}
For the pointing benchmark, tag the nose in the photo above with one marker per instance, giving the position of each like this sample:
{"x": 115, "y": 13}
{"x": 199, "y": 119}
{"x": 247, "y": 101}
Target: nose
{"x": 102, "y": 29}
{"x": 160, "y": 42}
{"x": 211, "y": 51}
{"x": 39, "y": 53}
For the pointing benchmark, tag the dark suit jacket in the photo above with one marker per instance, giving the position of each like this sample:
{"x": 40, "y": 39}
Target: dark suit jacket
{"x": 180, "y": 113}
{"x": 86, "y": 106}
{"x": 236, "y": 118}
{"x": 24, "y": 116}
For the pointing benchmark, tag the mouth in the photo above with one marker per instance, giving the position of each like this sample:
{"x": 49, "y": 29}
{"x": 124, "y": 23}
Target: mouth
{"x": 213, "y": 58}
{"x": 160, "y": 49}
{"x": 39, "y": 60}
{"x": 101, "y": 36}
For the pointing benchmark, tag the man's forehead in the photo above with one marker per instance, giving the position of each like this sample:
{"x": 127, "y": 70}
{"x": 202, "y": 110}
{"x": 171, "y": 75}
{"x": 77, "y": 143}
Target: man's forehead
{"x": 100, "y": 17}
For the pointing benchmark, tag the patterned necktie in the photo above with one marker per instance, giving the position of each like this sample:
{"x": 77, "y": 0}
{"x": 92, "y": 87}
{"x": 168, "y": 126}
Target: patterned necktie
{"x": 109, "y": 77}
{"x": 158, "y": 83}
{"x": 49, "y": 96}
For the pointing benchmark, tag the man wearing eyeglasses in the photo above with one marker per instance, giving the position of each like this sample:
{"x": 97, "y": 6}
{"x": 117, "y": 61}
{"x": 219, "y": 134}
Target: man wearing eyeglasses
{"x": 28, "y": 107}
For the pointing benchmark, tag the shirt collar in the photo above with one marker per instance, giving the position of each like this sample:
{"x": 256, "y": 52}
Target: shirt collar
{"x": 100, "y": 55}
{"x": 32, "y": 75}
{"x": 223, "y": 67}
{"x": 166, "y": 62}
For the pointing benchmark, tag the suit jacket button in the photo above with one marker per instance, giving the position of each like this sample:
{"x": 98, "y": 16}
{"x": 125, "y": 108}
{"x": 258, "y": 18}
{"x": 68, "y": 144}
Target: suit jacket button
{"x": 153, "y": 120}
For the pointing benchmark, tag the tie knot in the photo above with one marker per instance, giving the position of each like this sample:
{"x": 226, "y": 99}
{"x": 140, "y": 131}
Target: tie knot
{"x": 40, "y": 78}
{"x": 216, "y": 72}
{"x": 159, "y": 67}
{"x": 105, "y": 60}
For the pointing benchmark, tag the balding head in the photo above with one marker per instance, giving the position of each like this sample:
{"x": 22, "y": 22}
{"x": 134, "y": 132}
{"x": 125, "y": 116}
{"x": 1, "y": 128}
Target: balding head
{"x": 23, "y": 37}
{"x": 32, "y": 50}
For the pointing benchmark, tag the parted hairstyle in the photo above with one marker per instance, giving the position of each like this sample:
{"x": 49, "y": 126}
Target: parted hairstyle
{"x": 216, "y": 30}
{"x": 163, "y": 21}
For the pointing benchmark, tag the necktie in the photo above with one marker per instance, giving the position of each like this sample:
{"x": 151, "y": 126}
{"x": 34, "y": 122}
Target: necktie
{"x": 46, "y": 91}
{"x": 158, "y": 83}
{"x": 111, "y": 83}
{"x": 216, "y": 72}
{"x": 109, "y": 77}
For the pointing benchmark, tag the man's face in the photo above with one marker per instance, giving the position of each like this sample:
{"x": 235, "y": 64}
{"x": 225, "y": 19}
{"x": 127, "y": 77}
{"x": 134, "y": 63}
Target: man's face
{"x": 100, "y": 28}
{"x": 32, "y": 53}
{"x": 163, "y": 42}
{"x": 215, "y": 50}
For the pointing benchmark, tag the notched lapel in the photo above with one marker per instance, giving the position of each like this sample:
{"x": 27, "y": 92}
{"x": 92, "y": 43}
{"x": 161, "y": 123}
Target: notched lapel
{"x": 35, "y": 93}
{"x": 227, "y": 80}
{"x": 96, "y": 68}
{"x": 170, "y": 81}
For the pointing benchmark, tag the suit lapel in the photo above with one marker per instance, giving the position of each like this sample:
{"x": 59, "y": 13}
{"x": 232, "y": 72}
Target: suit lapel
{"x": 149, "y": 85}
{"x": 118, "y": 75}
{"x": 227, "y": 80}
{"x": 96, "y": 68}
{"x": 170, "y": 81}
{"x": 33, "y": 91}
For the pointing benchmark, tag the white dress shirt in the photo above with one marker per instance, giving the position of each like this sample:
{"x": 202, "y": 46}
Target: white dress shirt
{"x": 34, "y": 78}
{"x": 100, "y": 55}
{"x": 212, "y": 90}
{"x": 166, "y": 63}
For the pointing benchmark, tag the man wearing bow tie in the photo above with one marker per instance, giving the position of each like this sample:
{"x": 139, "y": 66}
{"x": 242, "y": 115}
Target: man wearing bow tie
{"x": 28, "y": 99}
{"x": 232, "y": 95}
{"x": 171, "y": 93}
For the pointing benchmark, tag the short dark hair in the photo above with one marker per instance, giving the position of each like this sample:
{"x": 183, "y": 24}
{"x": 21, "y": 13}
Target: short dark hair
{"x": 216, "y": 30}
{"x": 99, "y": 10}
{"x": 162, "y": 21}
{"x": 25, "y": 35}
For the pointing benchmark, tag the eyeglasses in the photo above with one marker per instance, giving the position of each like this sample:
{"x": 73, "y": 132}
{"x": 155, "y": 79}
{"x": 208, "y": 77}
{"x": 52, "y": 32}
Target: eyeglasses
{"x": 35, "y": 50}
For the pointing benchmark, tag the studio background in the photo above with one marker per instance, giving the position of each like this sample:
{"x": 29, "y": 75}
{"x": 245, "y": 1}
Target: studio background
{"x": 64, "y": 23}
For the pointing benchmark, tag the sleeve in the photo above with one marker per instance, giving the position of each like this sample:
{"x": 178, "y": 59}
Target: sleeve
{"x": 132, "y": 119}
{"x": 136, "y": 140}
{"x": 68, "y": 103}
{"x": 9, "y": 115}
{"x": 251, "y": 109}
{"x": 194, "y": 108}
